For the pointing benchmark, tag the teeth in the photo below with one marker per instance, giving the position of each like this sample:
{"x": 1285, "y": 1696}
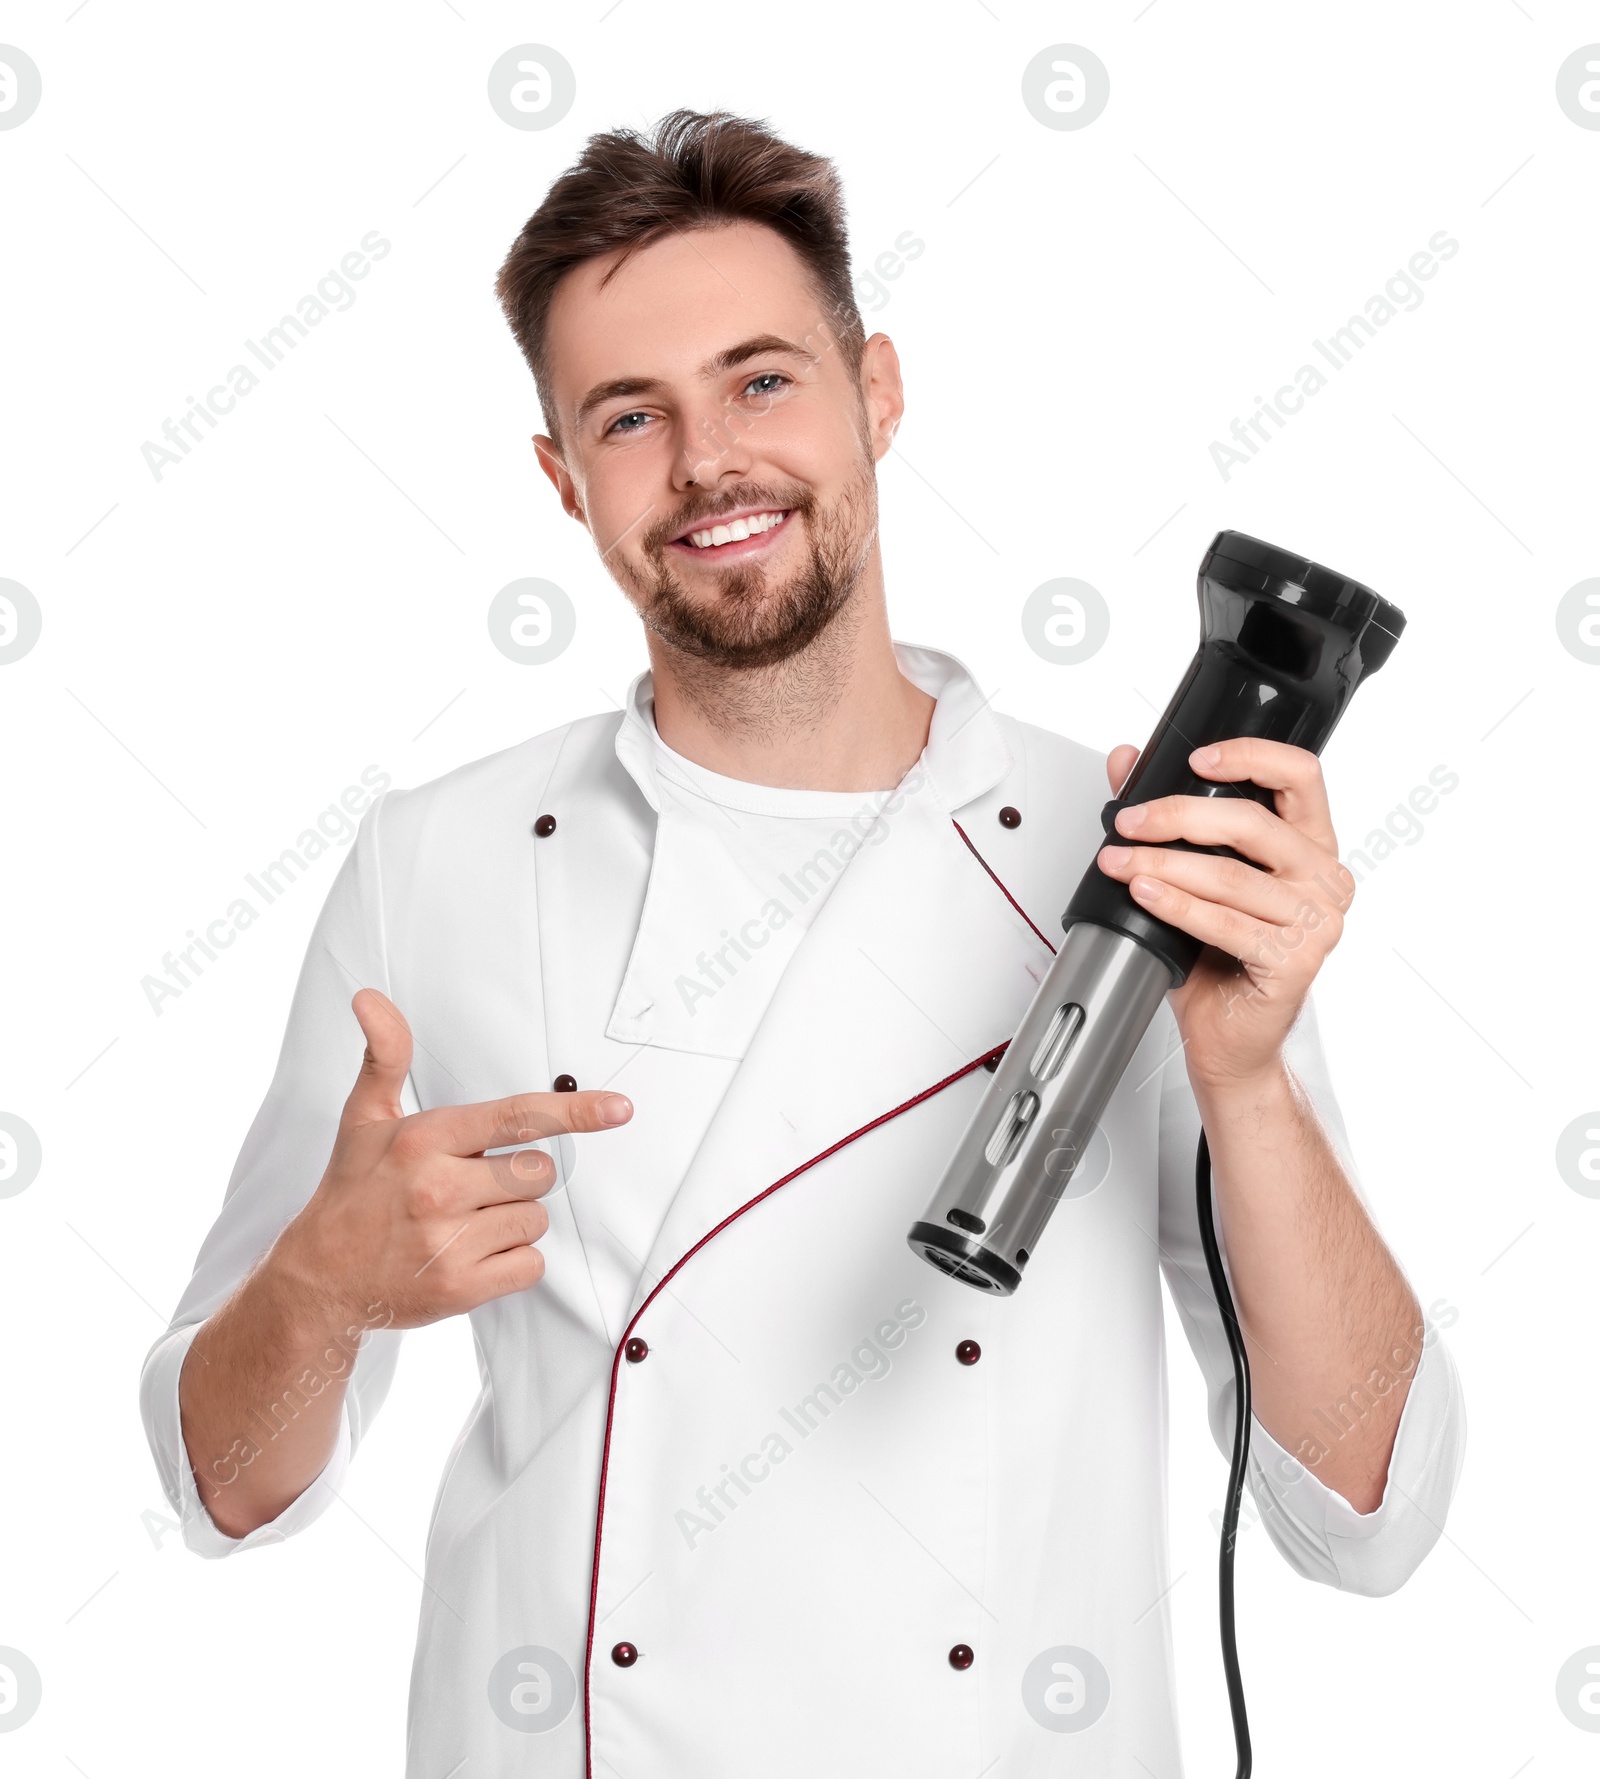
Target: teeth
{"x": 735, "y": 532}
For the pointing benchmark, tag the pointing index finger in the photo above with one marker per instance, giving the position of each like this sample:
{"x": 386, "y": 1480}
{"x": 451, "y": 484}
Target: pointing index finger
{"x": 523, "y": 1118}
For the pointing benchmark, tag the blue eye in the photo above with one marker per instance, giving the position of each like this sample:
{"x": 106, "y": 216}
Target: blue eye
{"x": 767, "y": 383}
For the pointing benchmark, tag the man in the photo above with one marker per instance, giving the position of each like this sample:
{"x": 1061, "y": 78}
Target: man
{"x": 671, "y": 1021}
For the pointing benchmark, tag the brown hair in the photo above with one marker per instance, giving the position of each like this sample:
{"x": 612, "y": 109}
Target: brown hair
{"x": 694, "y": 169}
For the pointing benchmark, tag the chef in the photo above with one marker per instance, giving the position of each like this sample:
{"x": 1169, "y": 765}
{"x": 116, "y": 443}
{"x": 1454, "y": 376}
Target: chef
{"x": 643, "y": 1042}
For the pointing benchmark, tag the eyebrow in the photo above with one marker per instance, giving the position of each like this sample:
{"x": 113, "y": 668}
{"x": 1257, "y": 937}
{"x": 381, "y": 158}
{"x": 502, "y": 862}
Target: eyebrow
{"x": 730, "y": 358}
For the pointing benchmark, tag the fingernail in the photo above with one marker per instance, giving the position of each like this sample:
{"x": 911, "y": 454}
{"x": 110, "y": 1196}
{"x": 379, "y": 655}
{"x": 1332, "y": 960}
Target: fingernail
{"x": 1147, "y": 889}
{"x": 1131, "y": 819}
{"x": 1116, "y": 856}
{"x": 1205, "y": 756}
{"x": 616, "y": 1108}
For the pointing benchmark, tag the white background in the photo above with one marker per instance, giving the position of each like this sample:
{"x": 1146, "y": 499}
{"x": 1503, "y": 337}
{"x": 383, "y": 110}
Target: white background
{"x": 224, "y": 650}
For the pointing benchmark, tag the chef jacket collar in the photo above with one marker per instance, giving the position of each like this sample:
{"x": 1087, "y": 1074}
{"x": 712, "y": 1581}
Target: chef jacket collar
{"x": 965, "y": 756}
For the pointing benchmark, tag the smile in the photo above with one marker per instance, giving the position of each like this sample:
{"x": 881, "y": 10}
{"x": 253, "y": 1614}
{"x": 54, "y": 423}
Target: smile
{"x": 749, "y": 530}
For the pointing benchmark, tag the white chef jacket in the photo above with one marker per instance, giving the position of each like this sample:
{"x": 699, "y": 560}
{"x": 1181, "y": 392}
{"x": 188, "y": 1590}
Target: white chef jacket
{"x": 748, "y": 1516}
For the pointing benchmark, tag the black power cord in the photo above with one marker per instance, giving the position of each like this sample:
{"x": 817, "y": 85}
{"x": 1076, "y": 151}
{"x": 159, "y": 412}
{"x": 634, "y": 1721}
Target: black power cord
{"x": 1241, "y": 1453}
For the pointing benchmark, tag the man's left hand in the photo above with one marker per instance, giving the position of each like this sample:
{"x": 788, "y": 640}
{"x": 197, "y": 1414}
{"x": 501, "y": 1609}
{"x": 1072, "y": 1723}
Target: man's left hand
{"x": 1267, "y": 925}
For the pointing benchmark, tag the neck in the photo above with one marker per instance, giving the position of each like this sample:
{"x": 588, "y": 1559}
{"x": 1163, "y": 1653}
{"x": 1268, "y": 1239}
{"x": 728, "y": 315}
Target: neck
{"x": 838, "y": 716}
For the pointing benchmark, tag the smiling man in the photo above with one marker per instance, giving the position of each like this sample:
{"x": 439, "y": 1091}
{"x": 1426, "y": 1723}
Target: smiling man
{"x": 663, "y": 1024}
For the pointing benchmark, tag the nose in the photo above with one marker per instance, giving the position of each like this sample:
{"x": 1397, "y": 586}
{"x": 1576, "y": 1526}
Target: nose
{"x": 712, "y": 446}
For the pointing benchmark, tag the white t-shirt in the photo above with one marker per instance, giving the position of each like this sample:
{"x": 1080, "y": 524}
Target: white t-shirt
{"x": 751, "y": 869}
{"x": 739, "y": 873}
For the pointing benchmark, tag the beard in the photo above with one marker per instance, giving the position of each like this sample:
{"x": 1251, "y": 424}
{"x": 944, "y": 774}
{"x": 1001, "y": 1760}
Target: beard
{"x": 750, "y": 620}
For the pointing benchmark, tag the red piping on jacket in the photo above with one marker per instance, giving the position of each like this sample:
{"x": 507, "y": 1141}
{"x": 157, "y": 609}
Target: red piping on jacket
{"x": 998, "y": 884}
{"x": 689, "y": 1253}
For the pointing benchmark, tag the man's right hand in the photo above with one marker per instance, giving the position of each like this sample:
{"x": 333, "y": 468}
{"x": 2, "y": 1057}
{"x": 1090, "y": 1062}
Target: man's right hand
{"x": 411, "y": 1214}
{"x": 411, "y": 1222}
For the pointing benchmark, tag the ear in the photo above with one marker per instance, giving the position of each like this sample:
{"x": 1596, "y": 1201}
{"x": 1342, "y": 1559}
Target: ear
{"x": 550, "y": 461}
{"x": 883, "y": 395}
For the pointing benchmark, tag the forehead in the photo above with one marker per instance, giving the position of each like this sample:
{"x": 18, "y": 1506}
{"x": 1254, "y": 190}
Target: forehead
{"x": 670, "y": 305}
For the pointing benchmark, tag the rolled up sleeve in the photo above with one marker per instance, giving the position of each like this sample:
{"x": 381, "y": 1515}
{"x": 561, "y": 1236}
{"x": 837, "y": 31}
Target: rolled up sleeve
{"x": 159, "y": 1404}
{"x": 1323, "y": 1536}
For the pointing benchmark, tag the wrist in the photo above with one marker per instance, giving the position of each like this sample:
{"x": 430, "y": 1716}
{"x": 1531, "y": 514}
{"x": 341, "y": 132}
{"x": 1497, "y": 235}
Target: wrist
{"x": 1232, "y": 1094}
{"x": 306, "y": 1304}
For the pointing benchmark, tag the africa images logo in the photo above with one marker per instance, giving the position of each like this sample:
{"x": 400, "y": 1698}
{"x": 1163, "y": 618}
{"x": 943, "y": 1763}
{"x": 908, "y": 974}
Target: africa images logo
{"x": 868, "y": 1362}
{"x": 335, "y": 292}
{"x": 1402, "y": 293}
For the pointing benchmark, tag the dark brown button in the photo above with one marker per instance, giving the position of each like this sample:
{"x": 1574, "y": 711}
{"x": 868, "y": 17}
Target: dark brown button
{"x": 566, "y": 1083}
{"x": 992, "y": 1064}
{"x": 625, "y": 1655}
{"x": 1009, "y": 818}
{"x": 969, "y": 1352}
{"x": 545, "y": 826}
{"x": 635, "y": 1350}
{"x": 961, "y": 1656}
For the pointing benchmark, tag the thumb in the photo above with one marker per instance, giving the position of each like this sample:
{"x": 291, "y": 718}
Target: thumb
{"x": 384, "y": 1067}
{"x": 1119, "y": 763}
